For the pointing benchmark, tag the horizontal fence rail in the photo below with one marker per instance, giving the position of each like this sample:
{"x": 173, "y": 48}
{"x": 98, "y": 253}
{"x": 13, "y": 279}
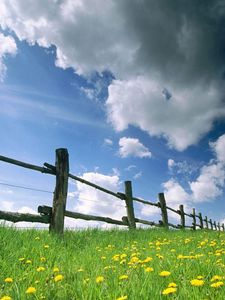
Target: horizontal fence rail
{"x": 55, "y": 215}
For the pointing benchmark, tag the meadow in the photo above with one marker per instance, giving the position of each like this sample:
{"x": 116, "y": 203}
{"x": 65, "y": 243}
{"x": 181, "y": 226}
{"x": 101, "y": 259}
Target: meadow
{"x": 112, "y": 264}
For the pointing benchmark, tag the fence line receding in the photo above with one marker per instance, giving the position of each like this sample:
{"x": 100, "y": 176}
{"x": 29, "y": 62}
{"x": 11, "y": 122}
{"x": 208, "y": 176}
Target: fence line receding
{"x": 55, "y": 215}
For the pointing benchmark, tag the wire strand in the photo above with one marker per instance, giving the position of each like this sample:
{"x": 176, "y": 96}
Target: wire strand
{"x": 25, "y": 187}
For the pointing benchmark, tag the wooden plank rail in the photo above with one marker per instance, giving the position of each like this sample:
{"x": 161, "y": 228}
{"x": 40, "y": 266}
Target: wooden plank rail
{"x": 146, "y": 202}
{"x": 26, "y": 165}
{"x": 22, "y": 217}
{"x": 117, "y": 195}
{"x": 46, "y": 210}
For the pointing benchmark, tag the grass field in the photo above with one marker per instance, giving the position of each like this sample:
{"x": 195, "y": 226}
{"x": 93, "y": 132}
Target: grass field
{"x": 94, "y": 264}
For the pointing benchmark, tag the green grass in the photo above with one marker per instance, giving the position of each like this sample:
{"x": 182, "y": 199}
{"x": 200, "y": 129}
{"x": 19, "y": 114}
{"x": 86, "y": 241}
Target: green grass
{"x": 82, "y": 256}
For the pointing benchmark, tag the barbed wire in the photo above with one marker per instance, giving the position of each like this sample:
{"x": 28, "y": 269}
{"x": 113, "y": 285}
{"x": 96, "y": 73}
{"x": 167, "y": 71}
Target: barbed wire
{"x": 25, "y": 187}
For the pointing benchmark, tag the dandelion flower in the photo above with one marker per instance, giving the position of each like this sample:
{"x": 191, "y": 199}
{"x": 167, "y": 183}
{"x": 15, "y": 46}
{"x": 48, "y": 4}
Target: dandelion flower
{"x": 40, "y": 269}
{"x": 216, "y": 277}
{"x": 58, "y": 278}
{"x": 99, "y": 279}
{"x": 197, "y": 282}
{"x": 122, "y": 298}
{"x": 9, "y": 280}
{"x": 149, "y": 269}
{"x": 164, "y": 273}
{"x": 6, "y": 298}
{"x": 217, "y": 284}
{"x": 172, "y": 284}
{"x": 122, "y": 277}
{"x": 169, "y": 290}
{"x": 46, "y": 246}
{"x": 56, "y": 269}
{"x": 31, "y": 290}
{"x": 42, "y": 259}
{"x": 21, "y": 259}
{"x": 28, "y": 261}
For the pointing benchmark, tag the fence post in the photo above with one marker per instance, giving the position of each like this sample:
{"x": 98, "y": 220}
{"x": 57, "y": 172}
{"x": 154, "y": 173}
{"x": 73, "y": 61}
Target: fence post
{"x": 181, "y": 208}
{"x": 211, "y": 224}
{"x": 194, "y": 219}
{"x": 129, "y": 205}
{"x": 214, "y": 223}
{"x": 218, "y": 226}
{"x": 60, "y": 193}
{"x": 201, "y": 220}
{"x": 206, "y": 222}
{"x": 162, "y": 202}
{"x": 223, "y": 226}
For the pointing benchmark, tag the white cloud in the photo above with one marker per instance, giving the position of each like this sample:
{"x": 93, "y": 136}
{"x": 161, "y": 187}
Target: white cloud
{"x": 168, "y": 81}
{"x": 219, "y": 147}
{"x": 108, "y": 142}
{"x": 94, "y": 202}
{"x": 7, "y": 46}
{"x": 170, "y": 163}
{"x": 133, "y": 147}
{"x": 207, "y": 186}
{"x": 137, "y": 175}
{"x": 182, "y": 120}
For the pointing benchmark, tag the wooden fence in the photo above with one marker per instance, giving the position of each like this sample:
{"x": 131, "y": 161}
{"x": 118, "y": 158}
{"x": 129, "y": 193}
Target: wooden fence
{"x": 54, "y": 216}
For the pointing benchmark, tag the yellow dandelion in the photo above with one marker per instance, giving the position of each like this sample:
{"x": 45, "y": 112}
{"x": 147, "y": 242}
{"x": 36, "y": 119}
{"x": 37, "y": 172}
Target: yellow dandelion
{"x": 31, "y": 290}
{"x": 197, "y": 282}
{"x": 217, "y": 284}
{"x": 43, "y": 259}
{"x": 6, "y": 298}
{"x": 123, "y": 277}
{"x": 21, "y": 258}
{"x": 37, "y": 238}
{"x": 169, "y": 290}
{"x": 58, "y": 278}
{"x": 55, "y": 269}
{"x": 216, "y": 277}
{"x": 164, "y": 273}
{"x": 40, "y": 269}
{"x": 28, "y": 261}
{"x": 9, "y": 280}
{"x": 148, "y": 259}
{"x": 149, "y": 269}
{"x": 99, "y": 279}
{"x": 122, "y": 298}
{"x": 172, "y": 284}
{"x": 46, "y": 246}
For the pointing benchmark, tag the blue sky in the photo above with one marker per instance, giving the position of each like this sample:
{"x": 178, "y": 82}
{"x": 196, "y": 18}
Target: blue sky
{"x": 130, "y": 97}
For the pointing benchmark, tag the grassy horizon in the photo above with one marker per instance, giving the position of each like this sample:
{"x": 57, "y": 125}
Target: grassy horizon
{"x": 112, "y": 264}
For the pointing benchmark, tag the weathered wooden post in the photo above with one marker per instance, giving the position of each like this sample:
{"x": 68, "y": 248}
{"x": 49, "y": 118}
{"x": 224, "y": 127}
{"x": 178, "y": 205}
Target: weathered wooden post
{"x": 223, "y": 227}
{"x": 211, "y": 224}
{"x": 60, "y": 193}
{"x": 206, "y": 222}
{"x": 201, "y": 220}
{"x": 182, "y": 216}
{"x": 162, "y": 203}
{"x": 219, "y": 226}
{"x": 129, "y": 205}
{"x": 214, "y": 223}
{"x": 194, "y": 219}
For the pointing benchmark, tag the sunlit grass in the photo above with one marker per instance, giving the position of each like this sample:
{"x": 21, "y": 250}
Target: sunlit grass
{"x": 115, "y": 264}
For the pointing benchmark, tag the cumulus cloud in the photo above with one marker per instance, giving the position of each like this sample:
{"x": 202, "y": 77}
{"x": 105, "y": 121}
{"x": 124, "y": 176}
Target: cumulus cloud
{"x": 207, "y": 186}
{"x": 133, "y": 147}
{"x": 7, "y": 47}
{"x": 94, "y": 202}
{"x": 166, "y": 57}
